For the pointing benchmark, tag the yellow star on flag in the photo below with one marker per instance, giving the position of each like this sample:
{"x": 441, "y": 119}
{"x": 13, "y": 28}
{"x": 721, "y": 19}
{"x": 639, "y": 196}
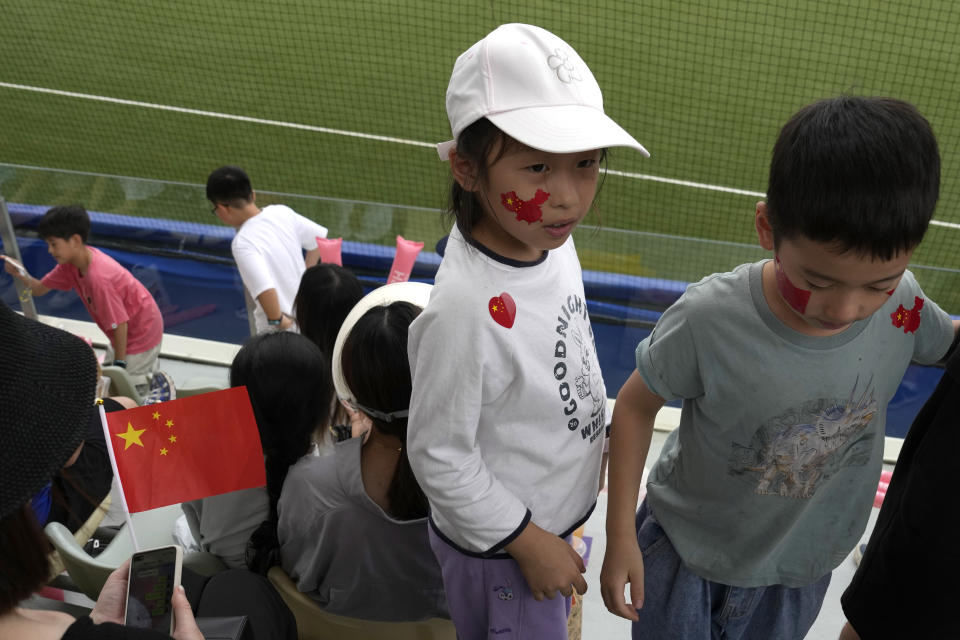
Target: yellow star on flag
{"x": 156, "y": 415}
{"x": 173, "y": 438}
{"x": 131, "y": 437}
{"x": 169, "y": 423}
{"x": 163, "y": 451}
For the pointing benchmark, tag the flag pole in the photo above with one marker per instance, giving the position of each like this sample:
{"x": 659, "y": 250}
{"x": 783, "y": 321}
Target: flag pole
{"x": 116, "y": 474}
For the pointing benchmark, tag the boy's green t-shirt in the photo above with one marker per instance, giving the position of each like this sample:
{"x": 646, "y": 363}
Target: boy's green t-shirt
{"x": 771, "y": 475}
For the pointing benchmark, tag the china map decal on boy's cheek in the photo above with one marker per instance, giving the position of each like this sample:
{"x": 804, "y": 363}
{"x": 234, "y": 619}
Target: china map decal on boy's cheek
{"x": 909, "y": 319}
{"x": 527, "y": 210}
{"x": 795, "y": 297}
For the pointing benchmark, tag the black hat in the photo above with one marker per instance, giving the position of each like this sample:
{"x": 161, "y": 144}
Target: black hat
{"x": 48, "y": 378}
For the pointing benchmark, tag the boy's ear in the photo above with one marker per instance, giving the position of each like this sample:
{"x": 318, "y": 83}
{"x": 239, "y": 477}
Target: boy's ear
{"x": 75, "y": 239}
{"x": 464, "y": 171}
{"x": 764, "y": 228}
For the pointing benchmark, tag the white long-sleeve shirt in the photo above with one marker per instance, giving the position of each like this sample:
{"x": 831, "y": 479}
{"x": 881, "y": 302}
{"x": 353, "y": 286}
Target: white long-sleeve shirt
{"x": 506, "y": 418}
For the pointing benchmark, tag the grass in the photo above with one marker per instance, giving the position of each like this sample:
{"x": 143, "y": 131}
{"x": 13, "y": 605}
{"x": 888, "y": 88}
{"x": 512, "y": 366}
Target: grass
{"x": 705, "y": 86}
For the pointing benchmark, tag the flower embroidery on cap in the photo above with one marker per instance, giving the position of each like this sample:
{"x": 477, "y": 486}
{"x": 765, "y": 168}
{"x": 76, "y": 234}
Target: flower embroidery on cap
{"x": 560, "y": 62}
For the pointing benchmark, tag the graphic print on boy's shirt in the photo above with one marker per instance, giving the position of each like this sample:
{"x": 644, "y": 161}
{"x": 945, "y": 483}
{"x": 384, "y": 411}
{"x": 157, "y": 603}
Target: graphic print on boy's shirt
{"x": 792, "y": 454}
{"x": 908, "y": 319}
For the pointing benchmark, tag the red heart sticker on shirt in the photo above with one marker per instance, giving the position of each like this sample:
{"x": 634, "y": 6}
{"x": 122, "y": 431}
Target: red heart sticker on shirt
{"x": 502, "y": 309}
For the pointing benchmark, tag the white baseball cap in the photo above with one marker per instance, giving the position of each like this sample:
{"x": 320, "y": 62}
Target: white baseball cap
{"x": 416, "y": 293}
{"x": 535, "y": 88}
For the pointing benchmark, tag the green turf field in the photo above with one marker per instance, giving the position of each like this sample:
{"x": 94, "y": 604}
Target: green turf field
{"x": 705, "y": 86}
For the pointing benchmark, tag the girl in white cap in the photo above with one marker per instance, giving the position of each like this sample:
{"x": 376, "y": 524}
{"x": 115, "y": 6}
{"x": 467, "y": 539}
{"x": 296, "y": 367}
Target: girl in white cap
{"x": 506, "y": 420}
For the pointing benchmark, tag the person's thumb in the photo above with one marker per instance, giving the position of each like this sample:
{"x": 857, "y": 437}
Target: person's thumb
{"x": 186, "y": 626}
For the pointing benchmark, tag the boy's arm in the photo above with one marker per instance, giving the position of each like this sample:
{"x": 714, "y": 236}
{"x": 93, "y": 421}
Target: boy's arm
{"x": 630, "y": 433}
{"x": 120, "y": 342}
{"x": 953, "y": 345}
{"x": 271, "y": 307}
{"x": 17, "y": 271}
{"x": 312, "y": 257}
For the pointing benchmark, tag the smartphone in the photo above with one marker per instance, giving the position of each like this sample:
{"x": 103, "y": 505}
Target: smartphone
{"x": 154, "y": 574}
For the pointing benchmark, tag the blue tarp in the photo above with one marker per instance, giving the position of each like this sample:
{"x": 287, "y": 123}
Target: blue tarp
{"x": 200, "y": 293}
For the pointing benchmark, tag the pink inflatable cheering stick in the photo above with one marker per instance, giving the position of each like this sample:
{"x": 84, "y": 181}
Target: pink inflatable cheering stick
{"x": 330, "y": 250}
{"x": 403, "y": 260}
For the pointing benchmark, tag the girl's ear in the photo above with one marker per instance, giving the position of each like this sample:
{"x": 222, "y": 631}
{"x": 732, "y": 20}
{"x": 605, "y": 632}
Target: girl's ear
{"x": 464, "y": 170}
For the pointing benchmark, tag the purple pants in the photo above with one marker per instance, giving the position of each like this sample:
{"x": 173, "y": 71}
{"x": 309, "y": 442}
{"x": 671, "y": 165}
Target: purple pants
{"x": 489, "y": 598}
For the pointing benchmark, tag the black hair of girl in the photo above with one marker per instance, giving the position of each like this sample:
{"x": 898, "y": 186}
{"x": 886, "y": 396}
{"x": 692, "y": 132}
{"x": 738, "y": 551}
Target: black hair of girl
{"x": 476, "y": 143}
{"x": 23, "y": 556}
{"x": 377, "y": 371}
{"x": 326, "y": 295}
{"x": 290, "y": 386}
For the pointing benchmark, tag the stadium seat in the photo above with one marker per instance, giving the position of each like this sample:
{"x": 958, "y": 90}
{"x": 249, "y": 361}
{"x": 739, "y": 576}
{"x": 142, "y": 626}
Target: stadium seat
{"x": 196, "y": 386}
{"x": 154, "y": 528}
{"x": 81, "y": 535}
{"x": 121, "y": 384}
{"x": 313, "y": 623}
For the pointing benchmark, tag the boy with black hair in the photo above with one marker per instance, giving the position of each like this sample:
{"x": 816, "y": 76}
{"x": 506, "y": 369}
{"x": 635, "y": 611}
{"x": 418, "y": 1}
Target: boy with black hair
{"x": 268, "y": 247}
{"x": 118, "y": 303}
{"x": 785, "y": 368}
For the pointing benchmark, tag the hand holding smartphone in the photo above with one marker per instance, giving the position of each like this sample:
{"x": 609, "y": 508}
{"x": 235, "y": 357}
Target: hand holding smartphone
{"x": 16, "y": 265}
{"x": 154, "y": 574}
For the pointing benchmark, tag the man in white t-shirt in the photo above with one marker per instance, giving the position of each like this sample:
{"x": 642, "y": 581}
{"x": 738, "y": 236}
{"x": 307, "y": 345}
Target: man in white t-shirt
{"x": 268, "y": 247}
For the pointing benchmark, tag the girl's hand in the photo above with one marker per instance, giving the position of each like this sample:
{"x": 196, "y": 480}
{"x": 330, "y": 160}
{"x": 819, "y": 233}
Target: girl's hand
{"x": 622, "y": 563}
{"x": 548, "y": 563}
{"x": 111, "y": 604}
{"x": 360, "y": 423}
{"x": 185, "y": 625}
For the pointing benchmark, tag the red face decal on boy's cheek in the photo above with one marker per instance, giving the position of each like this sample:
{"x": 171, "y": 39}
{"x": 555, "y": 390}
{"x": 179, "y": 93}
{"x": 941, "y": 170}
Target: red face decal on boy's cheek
{"x": 796, "y": 298}
{"x": 527, "y": 211}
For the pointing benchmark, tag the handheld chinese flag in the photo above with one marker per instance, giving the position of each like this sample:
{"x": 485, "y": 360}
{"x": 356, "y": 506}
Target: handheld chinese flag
{"x": 186, "y": 449}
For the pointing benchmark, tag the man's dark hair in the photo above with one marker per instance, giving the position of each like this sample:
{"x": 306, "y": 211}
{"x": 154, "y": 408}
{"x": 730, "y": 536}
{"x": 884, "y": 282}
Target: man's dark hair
{"x": 860, "y": 173}
{"x": 64, "y": 222}
{"x": 229, "y": 185}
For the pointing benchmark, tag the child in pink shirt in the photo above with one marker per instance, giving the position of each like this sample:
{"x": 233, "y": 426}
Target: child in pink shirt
{"x": 119, "y": 304}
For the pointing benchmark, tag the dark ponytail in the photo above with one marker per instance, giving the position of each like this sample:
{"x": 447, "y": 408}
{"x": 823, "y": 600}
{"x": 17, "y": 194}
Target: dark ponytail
{"x": 376, "y": 369}
{"x": 290, "y": 386}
